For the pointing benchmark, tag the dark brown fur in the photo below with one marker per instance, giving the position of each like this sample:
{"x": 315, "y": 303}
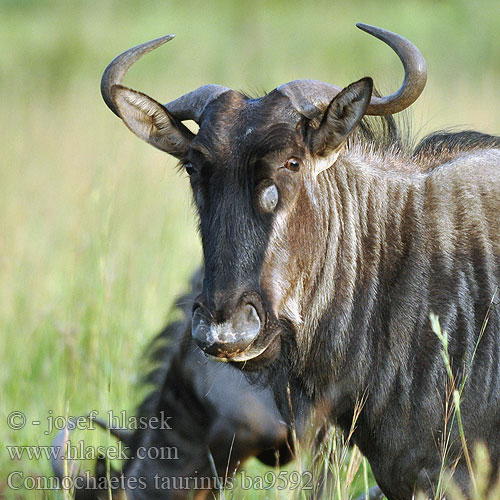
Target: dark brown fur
{"x": 369, "y": 236}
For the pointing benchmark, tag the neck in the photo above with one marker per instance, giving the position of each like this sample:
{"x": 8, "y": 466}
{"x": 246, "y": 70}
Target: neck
{"x": 397, "y": 245}
{"x": 368, "y": 241}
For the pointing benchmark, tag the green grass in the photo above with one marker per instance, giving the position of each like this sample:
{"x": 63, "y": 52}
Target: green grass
{"x": 97, "y": 235}
{"x": 478, "y": 463}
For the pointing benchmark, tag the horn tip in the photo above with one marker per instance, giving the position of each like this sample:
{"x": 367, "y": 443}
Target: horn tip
{"x": 368, "y": 28}
{"x": 160, "y": 41}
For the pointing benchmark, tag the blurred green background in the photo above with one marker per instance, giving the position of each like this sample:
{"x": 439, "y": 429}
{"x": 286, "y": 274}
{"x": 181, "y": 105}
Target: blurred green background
{"x": 97, "y": 235}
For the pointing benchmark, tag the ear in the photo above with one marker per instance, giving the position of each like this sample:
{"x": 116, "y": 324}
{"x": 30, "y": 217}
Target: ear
{"x": 150, "y": 121}
{"x": 341, "y": 117}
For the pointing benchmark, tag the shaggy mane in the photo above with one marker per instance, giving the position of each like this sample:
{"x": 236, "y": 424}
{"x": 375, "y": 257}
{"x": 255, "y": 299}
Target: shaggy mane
{"x": 387, "y": 135}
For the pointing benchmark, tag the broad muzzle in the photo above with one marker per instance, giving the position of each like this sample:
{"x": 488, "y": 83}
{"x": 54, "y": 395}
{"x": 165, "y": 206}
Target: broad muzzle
{"x": 226, "y": 339}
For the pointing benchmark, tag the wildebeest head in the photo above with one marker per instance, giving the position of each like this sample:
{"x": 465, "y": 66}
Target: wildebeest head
{"x": 254, "y": 167}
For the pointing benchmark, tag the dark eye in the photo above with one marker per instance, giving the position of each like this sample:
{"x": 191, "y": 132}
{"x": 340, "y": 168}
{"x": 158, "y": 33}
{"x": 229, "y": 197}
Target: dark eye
{"x": 292, "y": 164}
{"x": 189, "y": 168}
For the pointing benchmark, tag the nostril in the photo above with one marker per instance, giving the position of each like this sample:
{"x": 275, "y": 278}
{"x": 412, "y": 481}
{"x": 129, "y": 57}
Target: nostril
{"x": 222, "y": 339}
{"x": 246, "y": 322}
{"x": 200, "y": 328}
{"x": 197, "y": 317}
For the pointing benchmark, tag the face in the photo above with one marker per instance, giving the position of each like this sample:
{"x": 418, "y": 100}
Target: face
{"x": 255, "y": 167}
{"x": 247, "y": 173}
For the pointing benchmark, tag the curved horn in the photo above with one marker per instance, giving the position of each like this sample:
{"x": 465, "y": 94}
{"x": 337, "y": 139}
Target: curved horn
{"x": 191, "y": 106}
{"x": 311, "y": 97}
{"x": 62, "y": 466}
{"x": 118, "y": 67}
{"x": 58, "y": 462}
{"x": 415, "y": 73}
{"x": 186, "y": 107}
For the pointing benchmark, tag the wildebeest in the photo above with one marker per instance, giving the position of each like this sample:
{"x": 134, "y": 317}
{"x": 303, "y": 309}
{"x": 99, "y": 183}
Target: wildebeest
{"x": 328, "y": 240}
{"x": 216, "y": 420}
